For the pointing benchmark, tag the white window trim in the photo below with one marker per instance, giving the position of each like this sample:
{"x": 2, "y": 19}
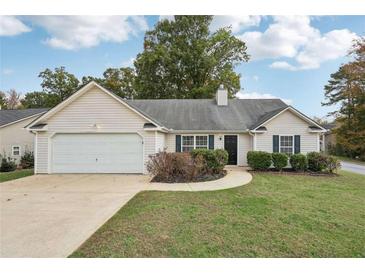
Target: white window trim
{"x": 194, "y": 135}
{"x": 286, "y": 135}
{"x": 12, "y": 150}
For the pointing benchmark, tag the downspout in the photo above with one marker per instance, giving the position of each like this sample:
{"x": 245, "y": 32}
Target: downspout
{"x": 253, "y": 140}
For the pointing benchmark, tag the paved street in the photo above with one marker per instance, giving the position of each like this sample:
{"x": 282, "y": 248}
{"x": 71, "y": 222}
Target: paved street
{"x": 360, "y": 169}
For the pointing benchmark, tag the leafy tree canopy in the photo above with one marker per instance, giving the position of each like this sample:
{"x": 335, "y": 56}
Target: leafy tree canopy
{"x": 182, "y": 59}
{"x": 59, "y": 83}
{"x": 346, "y": 88}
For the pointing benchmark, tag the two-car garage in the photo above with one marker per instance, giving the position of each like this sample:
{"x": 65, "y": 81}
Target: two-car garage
{"x": 96, "y": 153}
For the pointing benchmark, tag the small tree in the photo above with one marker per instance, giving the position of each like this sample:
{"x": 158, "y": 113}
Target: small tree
{"x": 27, "y": 160}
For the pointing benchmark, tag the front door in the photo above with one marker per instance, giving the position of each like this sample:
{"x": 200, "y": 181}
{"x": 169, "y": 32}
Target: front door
{"x": 230, "y": 145}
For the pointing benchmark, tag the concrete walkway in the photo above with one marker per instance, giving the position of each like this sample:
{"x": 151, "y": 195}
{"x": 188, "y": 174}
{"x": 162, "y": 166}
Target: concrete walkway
{"x": 236, "y": 176}
{"x": 52, "y": 215}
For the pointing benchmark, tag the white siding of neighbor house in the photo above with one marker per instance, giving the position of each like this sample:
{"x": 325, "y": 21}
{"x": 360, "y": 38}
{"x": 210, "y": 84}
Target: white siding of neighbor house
{"x": 244, "y": 144}
{"x": 287, "y": 123}
{"x": 93, "y": 108}
{"x": 16, "y": 135}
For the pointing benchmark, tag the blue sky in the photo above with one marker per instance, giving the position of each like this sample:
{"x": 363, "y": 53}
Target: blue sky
{"x": 292, "y": 56}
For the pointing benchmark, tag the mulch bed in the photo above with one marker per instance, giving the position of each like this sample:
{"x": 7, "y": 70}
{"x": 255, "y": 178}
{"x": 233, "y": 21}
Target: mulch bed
{"x": 292, "y": 172}
{"x": 204, "y": 178}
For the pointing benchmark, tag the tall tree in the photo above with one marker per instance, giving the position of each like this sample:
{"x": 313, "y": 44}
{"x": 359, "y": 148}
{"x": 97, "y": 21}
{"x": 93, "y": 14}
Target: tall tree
{"x": 59, "y": 82}
{"x": 182, "y": 59}
{"x": 346, "y": 88}
{"x": 39, "y": 99}
{"x": 13, "y": 99}
{"x": 118, "y": 80}
{"x": 3, "y": 100}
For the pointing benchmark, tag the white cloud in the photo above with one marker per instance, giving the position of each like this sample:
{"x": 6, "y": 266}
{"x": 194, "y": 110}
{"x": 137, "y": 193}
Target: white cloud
{"x": 75, "y": 32}
{"x": 282, "y": 65}
{"x": 294, "y": 37}
{"x": 238, "y": 23}
{"x": 255, "y": 77}
{"x": 7, "y": 71}
{"x": 129, "y": 62}
{"x": 10, "y": 26}
{"x": 258, "y": 95}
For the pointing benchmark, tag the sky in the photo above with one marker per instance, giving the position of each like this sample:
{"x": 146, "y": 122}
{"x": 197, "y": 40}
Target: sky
{"x": 292, "y": 57}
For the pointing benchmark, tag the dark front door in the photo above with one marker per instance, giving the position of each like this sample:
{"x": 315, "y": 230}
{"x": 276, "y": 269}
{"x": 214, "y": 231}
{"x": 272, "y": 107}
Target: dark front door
{"x": 230, "y": 144}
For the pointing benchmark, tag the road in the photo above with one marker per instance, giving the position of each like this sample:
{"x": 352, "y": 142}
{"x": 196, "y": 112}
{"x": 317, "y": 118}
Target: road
{"x": 360, "y": 169}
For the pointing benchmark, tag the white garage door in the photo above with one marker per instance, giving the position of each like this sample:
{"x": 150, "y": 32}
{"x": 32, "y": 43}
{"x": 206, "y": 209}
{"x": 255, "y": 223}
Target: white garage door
{"x": 97, "y": 153}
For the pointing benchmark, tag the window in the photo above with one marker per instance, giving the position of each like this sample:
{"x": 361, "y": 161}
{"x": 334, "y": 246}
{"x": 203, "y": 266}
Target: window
{"x": 16, "y": 150}
{"x": 201, "y": 141}
{"x": 192, "y": 142}
{"x": 187, "y": 143}
{"x": 287, "y": 144}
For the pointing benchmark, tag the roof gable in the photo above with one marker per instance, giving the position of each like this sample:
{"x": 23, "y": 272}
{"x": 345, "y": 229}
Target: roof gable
{"x": 265, "y": 119}
{"x": 52, "y": 112}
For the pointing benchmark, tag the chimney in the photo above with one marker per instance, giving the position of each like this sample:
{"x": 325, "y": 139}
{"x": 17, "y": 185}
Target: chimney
{"x": 222, "y": 96}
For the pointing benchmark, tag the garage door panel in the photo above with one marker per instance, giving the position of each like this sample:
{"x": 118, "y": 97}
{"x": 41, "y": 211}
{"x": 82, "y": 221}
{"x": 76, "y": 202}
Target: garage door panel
{"x": 97, "y": 153}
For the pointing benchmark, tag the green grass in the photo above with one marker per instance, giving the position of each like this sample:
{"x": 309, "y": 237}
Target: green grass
{"x": 273, "y": 216}
{"x": 347, "y": 159}
{"x": 7, "y": 176}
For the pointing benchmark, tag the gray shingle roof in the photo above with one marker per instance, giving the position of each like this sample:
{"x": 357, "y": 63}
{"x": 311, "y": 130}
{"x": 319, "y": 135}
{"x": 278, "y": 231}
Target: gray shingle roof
{"x": 205, "y": 114}
{"x": 8, "y": 116}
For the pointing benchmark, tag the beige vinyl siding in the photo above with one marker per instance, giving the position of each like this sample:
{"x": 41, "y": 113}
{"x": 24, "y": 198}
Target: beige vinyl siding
{"x": 287, "y": 123}
{"x": 160, "y": 141}
{"x": 244, "y": 144}
{"x": 16, "y": 135}
{"x": 41, "y": 154}
{"x": 96, "y": 112}
{"x": 95, "y": 107}
{"x": 149, "y": 140}
{"x": 170, "y": 142}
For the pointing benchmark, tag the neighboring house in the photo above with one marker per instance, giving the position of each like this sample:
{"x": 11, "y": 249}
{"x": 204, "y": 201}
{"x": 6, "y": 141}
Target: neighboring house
{"x": 14, "y": 139}
{"x": 95, "y": 131}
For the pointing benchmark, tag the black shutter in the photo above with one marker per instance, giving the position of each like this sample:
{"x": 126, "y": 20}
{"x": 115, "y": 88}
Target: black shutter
{"x": 297, "y": 144}
{"x": 178, "y": 143}
{"x": 211, "y": 141}
{"x": 275, "y": 143}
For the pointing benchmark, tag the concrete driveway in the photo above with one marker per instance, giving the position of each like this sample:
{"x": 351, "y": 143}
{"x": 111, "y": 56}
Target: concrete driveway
{"x": 51, "y": 215}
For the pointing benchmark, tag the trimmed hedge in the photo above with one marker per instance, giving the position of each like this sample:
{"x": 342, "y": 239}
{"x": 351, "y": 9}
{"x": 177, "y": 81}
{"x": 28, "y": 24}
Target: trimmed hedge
{"x": 316, "y": 161}
{"x": 7, "y": 165}
{"x": 27, "y": 160}
{"x": 298, "y": 162}
{"x": 215, "y": 159}
{"x": 279, "y": 160}
{"x": 259, "y": 160}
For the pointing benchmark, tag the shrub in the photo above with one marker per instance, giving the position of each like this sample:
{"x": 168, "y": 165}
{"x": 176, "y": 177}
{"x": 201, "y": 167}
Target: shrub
{"x": 259, "y": 160}
{"x": 298, "y": 162}
{"x": 27, "y": 160}
{"x": 316, "y": 161}
{"x": 7, "y": 165}
{"x": 332, "y": 164}
{"x": 279, "y": 160}
{"x": 175, "y": 167}
{"x": 215, "y": 159}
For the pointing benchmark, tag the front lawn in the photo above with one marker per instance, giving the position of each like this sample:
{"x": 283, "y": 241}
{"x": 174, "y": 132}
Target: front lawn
{"x": 273, "y": 216}
{"x": 7, "y": 176}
